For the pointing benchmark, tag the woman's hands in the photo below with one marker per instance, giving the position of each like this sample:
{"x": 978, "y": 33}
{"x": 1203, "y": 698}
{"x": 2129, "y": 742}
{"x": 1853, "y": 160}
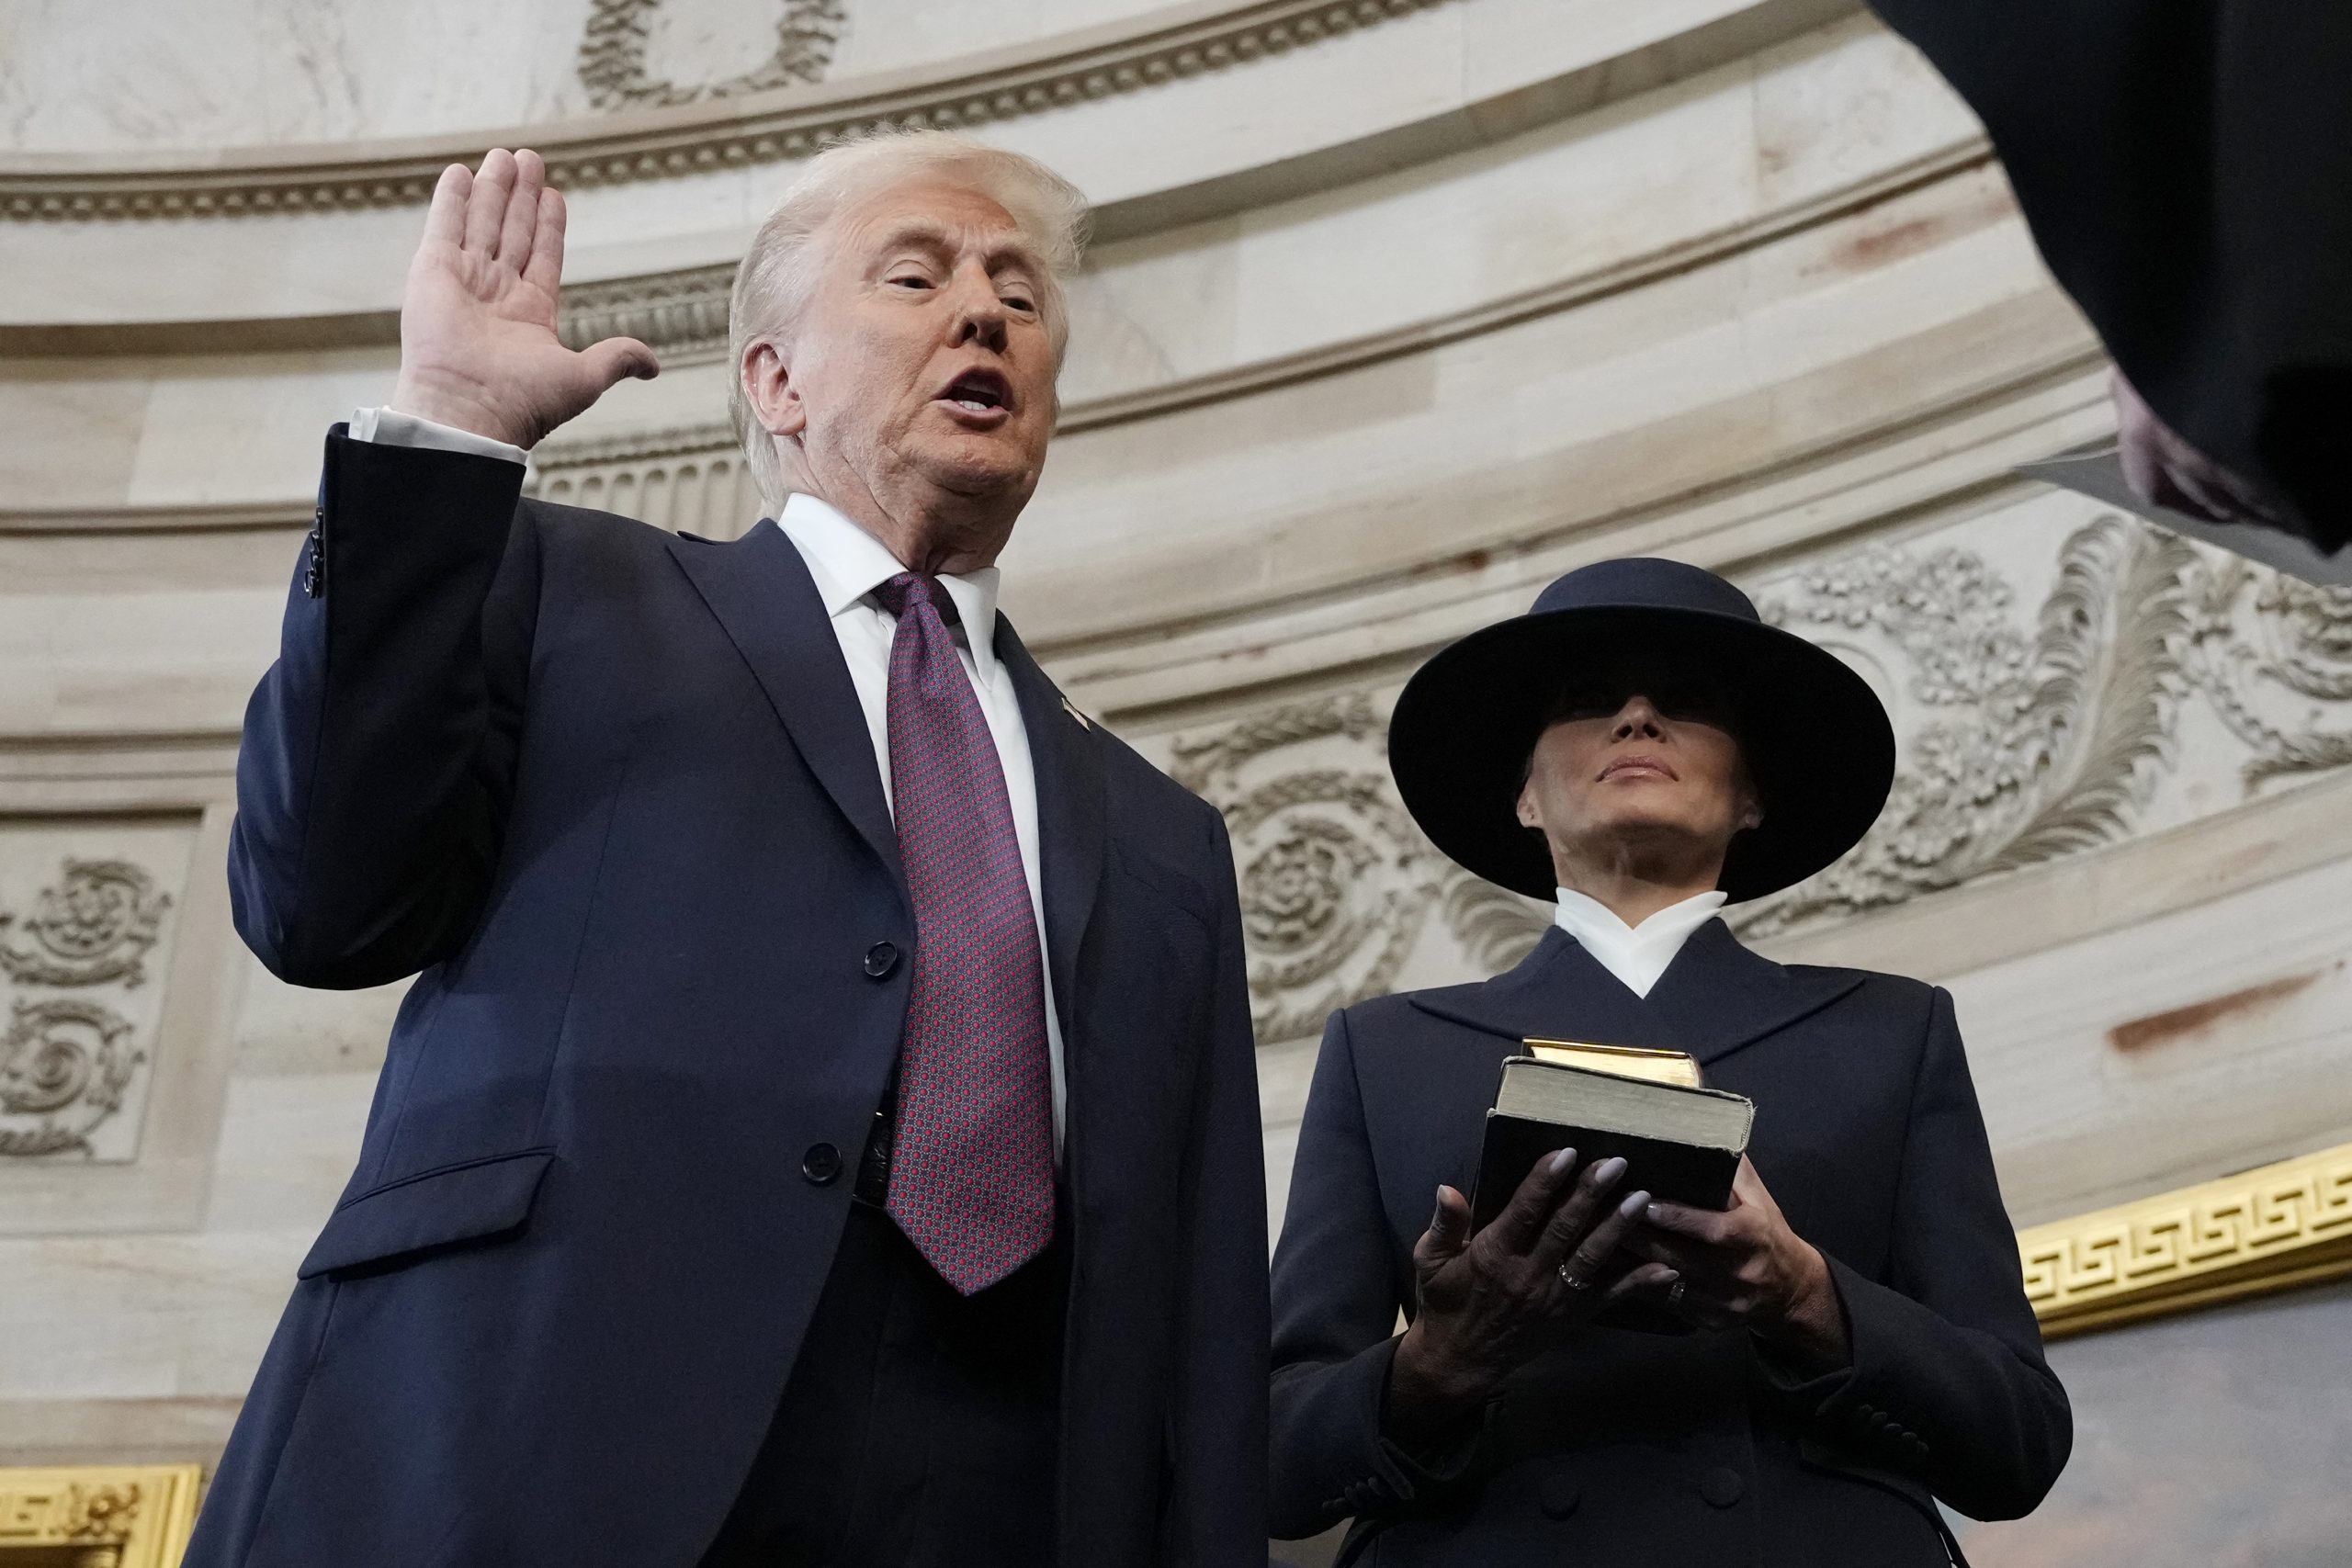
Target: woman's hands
{"x": 1491, "y": 1300}
{"x": 479, "y": 348}
{"x": 1744, "y": 1268}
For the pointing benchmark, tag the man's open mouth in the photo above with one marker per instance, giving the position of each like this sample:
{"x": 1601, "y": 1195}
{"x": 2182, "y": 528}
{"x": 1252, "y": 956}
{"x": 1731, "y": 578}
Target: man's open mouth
{"x": 975, "y": 392}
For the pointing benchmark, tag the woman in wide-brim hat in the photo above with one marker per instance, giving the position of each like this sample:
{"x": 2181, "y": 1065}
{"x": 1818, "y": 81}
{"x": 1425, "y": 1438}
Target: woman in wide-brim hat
{"x": 1643, "y": 749}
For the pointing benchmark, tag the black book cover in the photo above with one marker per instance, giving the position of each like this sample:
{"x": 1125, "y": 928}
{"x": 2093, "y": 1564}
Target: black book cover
{"x": 1679, "y": 1173}
{"x": 1667, "y": 1168}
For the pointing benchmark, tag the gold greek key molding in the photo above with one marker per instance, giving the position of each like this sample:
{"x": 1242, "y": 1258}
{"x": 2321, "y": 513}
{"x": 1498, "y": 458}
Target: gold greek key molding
{"x": 770, "y": 127}
{"x": 2259, "y": 1231}
{"x": 99, "y": 1515}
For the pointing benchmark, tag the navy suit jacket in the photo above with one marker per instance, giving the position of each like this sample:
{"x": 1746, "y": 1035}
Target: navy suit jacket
{"x": 611, "y": 791}
{"x": 1626, "y": 1449}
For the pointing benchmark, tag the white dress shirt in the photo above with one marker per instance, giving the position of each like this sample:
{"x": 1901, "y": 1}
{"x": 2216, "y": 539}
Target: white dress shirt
{"x": 847, "y": 564}
{"x": 1637, "y": 955}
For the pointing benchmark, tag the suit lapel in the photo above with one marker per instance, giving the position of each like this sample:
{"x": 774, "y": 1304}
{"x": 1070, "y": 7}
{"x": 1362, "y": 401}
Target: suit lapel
{"x": 760, "y": 590}
{"x": 1557, "y": 992}
{"x": 1714, "y": 998}
{"x": 1718, "y": 996}
{"x": 1064, "y": 755}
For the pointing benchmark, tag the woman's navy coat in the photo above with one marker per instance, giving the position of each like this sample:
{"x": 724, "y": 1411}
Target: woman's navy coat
{"x": 1650, "y": 1450}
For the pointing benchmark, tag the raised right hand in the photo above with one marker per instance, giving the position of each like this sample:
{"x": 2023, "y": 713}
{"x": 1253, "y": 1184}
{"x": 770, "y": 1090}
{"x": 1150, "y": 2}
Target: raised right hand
{"x": 1492, "y": 1300}
{"x": 478, "y": 348}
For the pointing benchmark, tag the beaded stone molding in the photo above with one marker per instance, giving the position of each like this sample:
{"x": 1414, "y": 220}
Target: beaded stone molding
{"x": 786, "y": 123}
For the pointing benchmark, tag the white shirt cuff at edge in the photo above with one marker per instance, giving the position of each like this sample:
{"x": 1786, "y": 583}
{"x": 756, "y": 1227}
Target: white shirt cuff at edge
{"x": 392, "y": 428}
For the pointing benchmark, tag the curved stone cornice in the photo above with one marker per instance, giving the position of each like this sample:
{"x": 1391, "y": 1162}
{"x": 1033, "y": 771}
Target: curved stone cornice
{"x": 685, "y": 314}
{"x": 773, "y": 127}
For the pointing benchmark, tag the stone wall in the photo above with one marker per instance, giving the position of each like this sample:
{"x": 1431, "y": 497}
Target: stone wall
{"x": 1400, "y": 309}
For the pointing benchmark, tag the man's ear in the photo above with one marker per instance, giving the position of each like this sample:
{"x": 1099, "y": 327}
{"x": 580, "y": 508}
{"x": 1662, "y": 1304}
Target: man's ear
{"x": 774, "y": 396}
{"x": 1526, "y": 814}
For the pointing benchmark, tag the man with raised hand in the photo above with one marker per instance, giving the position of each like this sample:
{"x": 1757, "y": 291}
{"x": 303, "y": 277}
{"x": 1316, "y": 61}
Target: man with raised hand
{"x": 824, "y": 1127}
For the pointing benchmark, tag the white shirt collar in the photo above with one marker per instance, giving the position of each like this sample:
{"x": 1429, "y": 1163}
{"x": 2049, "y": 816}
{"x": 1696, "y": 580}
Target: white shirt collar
{"x": 848, "y": 564}
{"x": 1637, "y": 955}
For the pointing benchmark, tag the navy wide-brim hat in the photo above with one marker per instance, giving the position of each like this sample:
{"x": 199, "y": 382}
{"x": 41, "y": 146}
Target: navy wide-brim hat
{"x": 1815, "y": 737}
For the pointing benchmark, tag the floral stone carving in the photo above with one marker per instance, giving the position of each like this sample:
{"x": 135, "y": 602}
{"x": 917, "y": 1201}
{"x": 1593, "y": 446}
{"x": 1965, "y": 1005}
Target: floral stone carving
{"x": 612, "y": 54}
{"x": 66, "y": 1067}
{"x": 1336, "y": 881}
{"x": 2270, "y": 674}
{"x": 2044, "y": 744}
{"x": 95, "y": 927}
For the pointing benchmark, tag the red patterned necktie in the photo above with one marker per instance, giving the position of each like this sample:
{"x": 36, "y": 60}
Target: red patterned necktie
{"x": 972, "y": 1172}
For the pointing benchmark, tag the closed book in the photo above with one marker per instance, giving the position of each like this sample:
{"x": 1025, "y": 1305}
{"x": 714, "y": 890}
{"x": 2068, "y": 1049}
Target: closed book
{"x": 1681, "y": 1142}
{"x": 1625, "y": 1061}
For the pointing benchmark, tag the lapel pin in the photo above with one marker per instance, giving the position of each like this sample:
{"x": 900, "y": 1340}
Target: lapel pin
{"x": 1083, "y": 722}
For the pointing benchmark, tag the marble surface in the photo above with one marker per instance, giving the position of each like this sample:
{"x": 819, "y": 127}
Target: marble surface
{"x": 1230, "y": 140}
{"x": 176, "y": 75}
{"x": 1388, "y": 331}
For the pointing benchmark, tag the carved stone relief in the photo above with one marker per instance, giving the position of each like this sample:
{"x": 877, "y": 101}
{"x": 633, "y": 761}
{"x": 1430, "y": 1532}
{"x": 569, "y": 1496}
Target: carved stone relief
{"x": 682, "y": 315}
{"x": 693, "y": 481}
{"x": 64, "y": 1067}
{"x": 2039, "y": 680}
{"x": 96, "y": 925}
{"x": 613, "y": 48}
{"x": 1336, "y": 883}
{"x": 74, "y": 1042}
{"x": 2036, "y": 744}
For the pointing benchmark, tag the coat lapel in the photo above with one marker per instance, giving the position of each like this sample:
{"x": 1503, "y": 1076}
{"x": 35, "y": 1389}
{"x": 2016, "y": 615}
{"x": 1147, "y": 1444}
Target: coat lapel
{"x": 1718, "y": 996}
{"x": 760, "y": 590}
{"x": 1070, "y": 813}
{"x": 1557, "y": 992}
{"x": 1714, "y": 998}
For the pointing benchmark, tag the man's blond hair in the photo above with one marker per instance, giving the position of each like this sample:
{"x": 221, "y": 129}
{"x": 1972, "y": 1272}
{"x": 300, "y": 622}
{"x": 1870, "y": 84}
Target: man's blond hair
{"x": 779, "y": 271}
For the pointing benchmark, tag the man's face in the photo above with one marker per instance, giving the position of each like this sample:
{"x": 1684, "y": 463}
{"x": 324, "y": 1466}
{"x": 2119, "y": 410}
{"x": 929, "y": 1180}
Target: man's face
{"x": 922, "y": 359}
{"x": 1631, "y": 762}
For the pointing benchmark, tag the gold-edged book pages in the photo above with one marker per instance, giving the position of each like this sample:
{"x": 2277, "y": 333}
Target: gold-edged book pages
{"x": 97, "y": 1515}
{"x": 1624, "y": 1061}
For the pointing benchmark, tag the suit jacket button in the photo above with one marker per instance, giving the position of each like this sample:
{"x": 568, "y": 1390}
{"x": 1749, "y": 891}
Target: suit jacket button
{"x": 820, "y": 1164}
{"x": 1561, "y": 1496}
{"x": 880, "y": 959}
{"x": 1722, "y": 1486}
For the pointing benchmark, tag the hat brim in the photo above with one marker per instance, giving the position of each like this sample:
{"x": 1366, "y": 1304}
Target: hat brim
{"x": 1816, "y": 739}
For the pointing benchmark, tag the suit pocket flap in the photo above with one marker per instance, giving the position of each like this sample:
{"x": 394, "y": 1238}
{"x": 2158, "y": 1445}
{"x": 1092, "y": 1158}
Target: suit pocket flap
{"x": 473, "y": 1202}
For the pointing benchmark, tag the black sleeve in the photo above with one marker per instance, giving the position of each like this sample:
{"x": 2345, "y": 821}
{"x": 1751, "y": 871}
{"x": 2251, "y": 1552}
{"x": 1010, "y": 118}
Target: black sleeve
{"x": 1217, "y": 1511}
{"x": 1947, "y": 1381}
{"x": 2185, "y": 168}
{"x": 380, "y": 750}
{"x": 1337, "y": 1295}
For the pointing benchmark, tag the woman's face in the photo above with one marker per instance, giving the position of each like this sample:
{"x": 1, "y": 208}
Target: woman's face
{"x": 1636, "y": 767}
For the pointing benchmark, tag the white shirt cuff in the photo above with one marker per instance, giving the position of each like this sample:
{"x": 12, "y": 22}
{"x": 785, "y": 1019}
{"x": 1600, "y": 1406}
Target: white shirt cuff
{"x": 389, "y": 427}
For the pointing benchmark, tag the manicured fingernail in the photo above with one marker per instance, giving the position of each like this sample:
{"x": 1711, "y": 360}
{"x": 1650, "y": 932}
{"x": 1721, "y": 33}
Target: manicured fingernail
{"x": 1609, "y": 1170}
{"x": 1634, "y": 1206}
{"x": 1669, "y": 1276}
{"x": 1562, "y": 1160}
